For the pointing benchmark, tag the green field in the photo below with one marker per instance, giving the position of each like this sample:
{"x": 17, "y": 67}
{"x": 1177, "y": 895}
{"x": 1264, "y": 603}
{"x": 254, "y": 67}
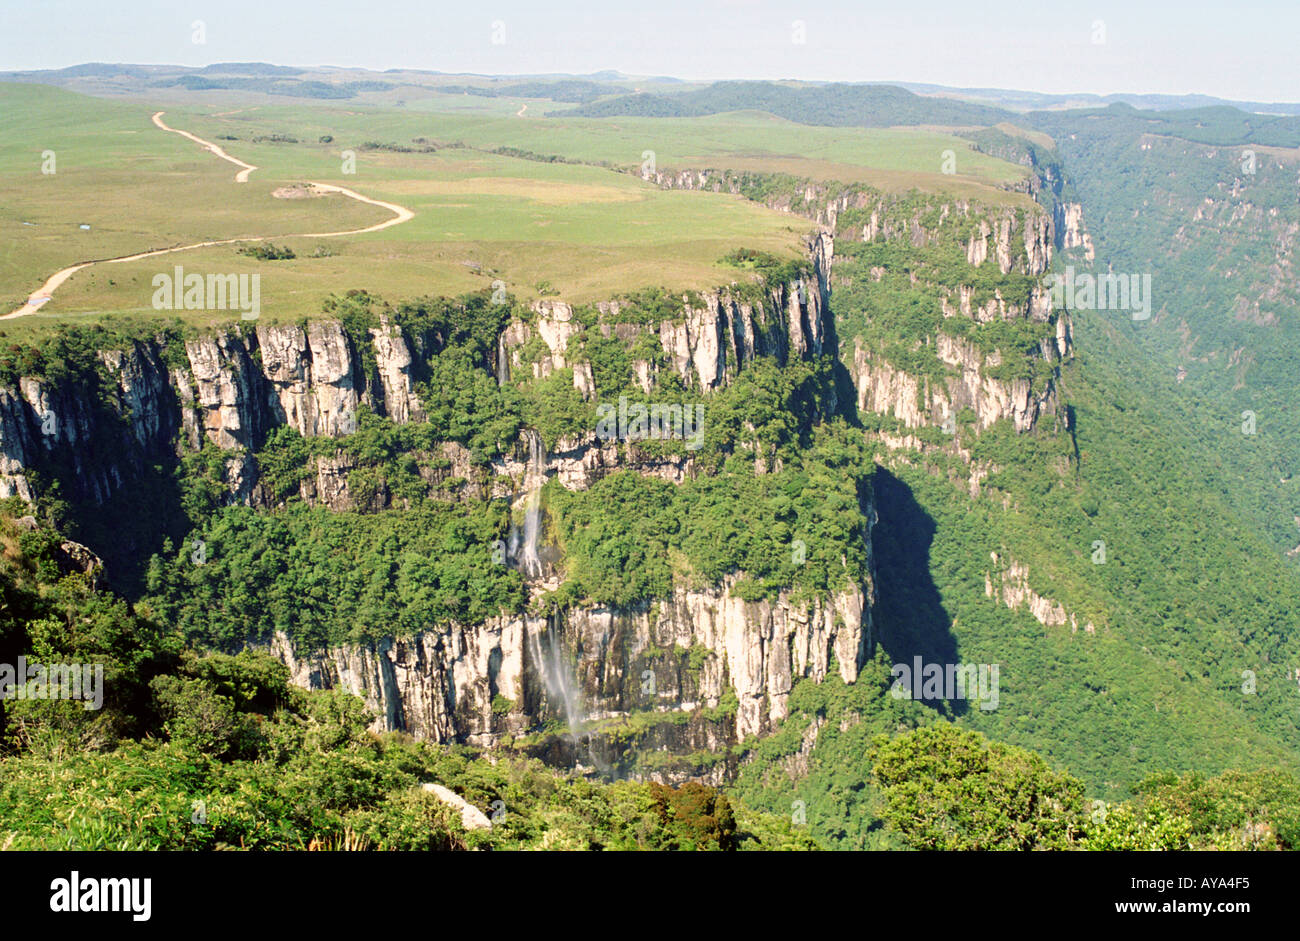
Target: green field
{"x": 576, "y": 229}
{"x": 897, "y": 158}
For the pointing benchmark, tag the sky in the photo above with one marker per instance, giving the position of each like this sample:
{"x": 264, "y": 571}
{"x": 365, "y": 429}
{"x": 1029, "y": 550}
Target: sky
{"x": 1246, "y": 50}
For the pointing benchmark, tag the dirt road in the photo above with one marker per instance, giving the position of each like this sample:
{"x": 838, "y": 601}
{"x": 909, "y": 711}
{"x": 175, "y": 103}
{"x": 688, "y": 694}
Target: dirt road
{"x": 43, "y": 294}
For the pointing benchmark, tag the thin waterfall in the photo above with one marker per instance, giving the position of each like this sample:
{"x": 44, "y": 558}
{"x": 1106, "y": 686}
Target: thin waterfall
{"x": 503, "y": 362}
{"x": 524, "y": 549}
{"x": 557, "y": 674}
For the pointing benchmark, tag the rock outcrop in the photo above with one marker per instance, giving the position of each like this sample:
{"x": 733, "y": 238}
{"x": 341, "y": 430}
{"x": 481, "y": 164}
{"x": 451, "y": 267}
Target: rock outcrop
{"x": 918, "y": 401}
{"x": 233, "y": 387}
{"x": 1009, "y": 583}
{"x": 1071, "y": 233}
{"x": 446, "y": 685}
{"x": 231, "y": 390}
{"x": 1016, "y": 240}
{"x": 471, "y": 817}
{"x": 716, "y": 335}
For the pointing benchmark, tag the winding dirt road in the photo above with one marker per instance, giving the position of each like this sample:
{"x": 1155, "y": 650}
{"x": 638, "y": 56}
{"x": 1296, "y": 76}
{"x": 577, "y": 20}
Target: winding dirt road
{"x": 240, "y": 177}
{"x": 43, "y": 294}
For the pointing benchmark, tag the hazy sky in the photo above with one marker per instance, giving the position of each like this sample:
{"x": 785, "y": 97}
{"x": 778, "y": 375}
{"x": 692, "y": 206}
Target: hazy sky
{"x": 1245, "y": 50}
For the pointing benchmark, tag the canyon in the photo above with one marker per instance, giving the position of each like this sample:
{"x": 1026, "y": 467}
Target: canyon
{"x": 701, "y": 669}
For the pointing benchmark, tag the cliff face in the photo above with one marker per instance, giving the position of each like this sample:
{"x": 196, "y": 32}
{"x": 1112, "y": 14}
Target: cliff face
{"x": 919, "y": 401}
{"x": 590, "y": 668}
{"x": 1017, "y": 245}
{"x": 1072, "y": 234}
{"x": 702, "y": 648}
{"x": 717, "y": 334}
{"x": 1009, "y": 583}
{"x": 587, "y": 666}
{"x": 103, "y": 433}
{"x": 826, "y": 203}
{"x": 1015, "y": 242}
{"x": 230, "y": 391}
{"x": 233, "y": 387}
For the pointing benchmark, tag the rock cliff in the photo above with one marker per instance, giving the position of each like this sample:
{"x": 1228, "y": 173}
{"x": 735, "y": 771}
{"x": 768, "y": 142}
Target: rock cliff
{"x": 587, "y": 666}
{"x": 716, "y": 334}
{"x": 1072, "y": 234}
{"x": 1014, "y": 241}
{"x": 232, "y": 387}
{"x": 723, "y": 664}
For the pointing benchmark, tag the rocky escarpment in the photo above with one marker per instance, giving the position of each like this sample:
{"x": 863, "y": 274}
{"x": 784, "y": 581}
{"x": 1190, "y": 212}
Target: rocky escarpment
{"x": 985, "y": 380}
{"x": 488, "y": 682}
{"x": 717, "y": 667}
{"x": 103, "y": 430}
{"x": 921, "y": 402}
{"x": 695, "y": 671}
{"x": 1017, "y": 245}
{"x": 230, "y": 389}
{"x": 716, "y": 334}
{"x": 1071, "y": 233}
{"x": 1006, "y": 248}
{"x": 1009, "y": 583}
{"x": 825, "y": 203}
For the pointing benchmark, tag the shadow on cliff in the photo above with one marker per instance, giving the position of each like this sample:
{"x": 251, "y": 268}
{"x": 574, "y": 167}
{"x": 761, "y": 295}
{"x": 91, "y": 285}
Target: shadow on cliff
{"x": 909, "y": 615}
{"x": 131, "y": 525}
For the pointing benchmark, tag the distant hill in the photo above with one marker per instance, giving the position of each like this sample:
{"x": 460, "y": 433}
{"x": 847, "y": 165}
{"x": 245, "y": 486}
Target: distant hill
{"x": 1220, "y": 125}
{"x": 833, "y": 105}
{"x": 248, "y": 68}
{"x": 1032, "y": 100}
{"x": 86, "y": 70}
{"x": 564, "y": 90}
{"x": 292, "y": 88}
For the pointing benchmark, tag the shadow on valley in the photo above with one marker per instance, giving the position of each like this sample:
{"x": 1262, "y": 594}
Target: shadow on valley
{"x": 909, "y": 615}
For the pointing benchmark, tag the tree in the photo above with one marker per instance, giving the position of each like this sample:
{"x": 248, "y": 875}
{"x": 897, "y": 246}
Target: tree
{"x": 945, "y": 788}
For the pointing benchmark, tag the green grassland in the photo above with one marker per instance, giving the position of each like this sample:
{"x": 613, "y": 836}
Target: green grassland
{"x": 478, "y": 215}
{"x": 901, "y": 157}
{"x": 588, "y": 232}
{"x": 574, "y": 227}
{"x": 137, "y": 187}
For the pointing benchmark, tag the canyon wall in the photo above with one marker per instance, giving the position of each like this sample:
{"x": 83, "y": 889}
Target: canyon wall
{"x": 724, "y": 664}
{"x": 1013, "y": 240}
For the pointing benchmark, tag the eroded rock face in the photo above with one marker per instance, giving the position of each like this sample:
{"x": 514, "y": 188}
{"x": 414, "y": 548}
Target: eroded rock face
{"x": 1009, "y": 582}
{"x": 1013, "y": 239}
{"x": 310, "y": 376}
{"x": 587, "y": 665}
{"x": 917, "y": 401}
{"x": 16, "y": 446}
{"x": 233, "y": 388}
{"x": 229, "y": 390}
{"x": 1070, "y": 230}
{"x": 102, "y": 432}
{"x": 973, "y": 380}
{"x": 442, "y": 684}
{"x": 711, "y": 341}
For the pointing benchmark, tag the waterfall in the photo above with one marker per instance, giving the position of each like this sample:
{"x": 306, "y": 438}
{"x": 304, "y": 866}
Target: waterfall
{"x": 530, "y": 562}
{"x": 556, "y": 673}
{"x": 524, "y": 550}
{"x": 551, "y": 662}
{"x": 503, "y": 364}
